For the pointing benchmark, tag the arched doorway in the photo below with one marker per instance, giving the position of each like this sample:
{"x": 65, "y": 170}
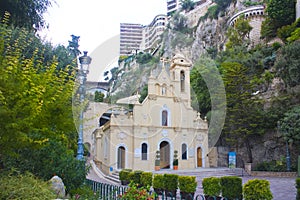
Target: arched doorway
{"x": 199, "y": 157}
{"x": 164, "y": 148}
{"x": 121, "y": 157}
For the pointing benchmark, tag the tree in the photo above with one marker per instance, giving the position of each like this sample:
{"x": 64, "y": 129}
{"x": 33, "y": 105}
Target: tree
{"x": 73, "y": 46}
{"x": 244, "y": 115}
{"x": 99, "y": 96}
{"x": 287, "y": 64}
{"x": 26, "y": 13}
{"x": 239, "y": 34}
{"x": 280, "y": 13}
{"x": 290, "y": 125}
{"x": 36, "y": 121}
{"x": 187, "y": 5}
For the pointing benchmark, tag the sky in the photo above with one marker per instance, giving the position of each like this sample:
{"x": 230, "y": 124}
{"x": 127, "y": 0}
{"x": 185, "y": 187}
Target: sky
{"x": 97, "y": 22}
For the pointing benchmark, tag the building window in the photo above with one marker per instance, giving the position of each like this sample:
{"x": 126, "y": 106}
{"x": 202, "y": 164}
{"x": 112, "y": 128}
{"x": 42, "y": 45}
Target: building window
{"x": 164, "y": 90}
{"x": 182, "y": 80}
{"x": 184, "y": 152}
{"x": 144, "y": 151}
{"x": 164, "y": 118}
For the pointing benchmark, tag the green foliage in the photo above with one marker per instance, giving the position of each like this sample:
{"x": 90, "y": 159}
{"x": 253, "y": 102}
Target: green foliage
{"x": 85, "y": 192}
{"x": 298, "y": 188}
{"x": 287, "y": 64}
{"x": 180, "y": 24}
{"x": 14, "y": 185}
{"x": 280, "y": 13}
{"x": 187, "y": 5}
{"x": 99, "y": 96}
{"x": 175, "y": 160}
{"x": 143, "y": 58}
{"x": 187, "y": 184}
{"x": 133, "y": 192}
{"x": 146, "y": 179}
{"x": 158, "y": 181}
{"x": 26, "y": 13}
{"x": 170, "y": 182}
{"x": 135, "y": 177}
{"x": 257, "y": 190}
{"x": 211, "y": 186}
{"x": 239, "y": 34}
{"x": 144, "y": 93}
{"x": 232, "y": 187}
{"x": 212, "y": 12}
{"x": 273, "y": 166}
{"x": 244, "y": 113}
{"x": 290, "y": 125}
{"x": 124, "y": 174}
{"x": 249, "y": 3}
{"x": 157, "y": 158}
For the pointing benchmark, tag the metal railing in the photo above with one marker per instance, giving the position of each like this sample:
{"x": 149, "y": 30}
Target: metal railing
{"x": 113, "y": 192}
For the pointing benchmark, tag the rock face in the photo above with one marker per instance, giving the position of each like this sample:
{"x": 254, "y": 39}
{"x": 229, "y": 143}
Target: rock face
{"x": 58, "y": 186}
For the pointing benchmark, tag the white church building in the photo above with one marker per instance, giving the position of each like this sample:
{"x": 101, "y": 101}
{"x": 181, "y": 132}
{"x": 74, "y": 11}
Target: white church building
{"x": 164, "y": 121}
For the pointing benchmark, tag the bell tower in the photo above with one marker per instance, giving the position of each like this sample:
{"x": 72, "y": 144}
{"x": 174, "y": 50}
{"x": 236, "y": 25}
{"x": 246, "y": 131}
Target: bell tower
{"x": 180, "y": 77}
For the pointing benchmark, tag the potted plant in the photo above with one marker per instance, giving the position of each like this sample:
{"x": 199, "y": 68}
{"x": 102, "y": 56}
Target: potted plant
{"x": 170, "y": 184}
{"x": 157, "y": 160}
{"x": 211, "y": 188}
{"x": 158, "y": 183}
{"x": 175, "y": 160}
{"x": 187, "y": 186}
{"x": 124, "y": 176}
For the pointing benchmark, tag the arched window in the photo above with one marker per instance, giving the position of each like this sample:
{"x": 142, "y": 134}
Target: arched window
{"x": 182, "y": 80}
{"x": 144, "y": 151}
{"x": 184, "y": 152}
{"x": 164, "y": 118}
{"x": 164, "y": 90}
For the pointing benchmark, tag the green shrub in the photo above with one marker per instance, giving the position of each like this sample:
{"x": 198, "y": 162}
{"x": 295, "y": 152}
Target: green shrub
{"x": 170, "y": 182}
{"x": 232, "y": 187}
{"x": 298, "y": 188}
{"x": 211, "y": 186}
{"x": 84, "y": 192}
{"x": 158, "y": 181}
{"x": 257, "y": 190}
{"x": 146, "y": 178}
{"x": 135, "y": 177}
{"x": 14, "y": 185}
{"x": 124, "y": 174}
{"x": 187, "y": 184}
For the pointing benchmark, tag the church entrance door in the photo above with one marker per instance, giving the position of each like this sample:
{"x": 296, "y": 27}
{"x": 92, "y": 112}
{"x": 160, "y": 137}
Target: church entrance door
{"x": 199, "y": 157}
{"x": 121, "y": 158}
{"x": 164, "y": 155}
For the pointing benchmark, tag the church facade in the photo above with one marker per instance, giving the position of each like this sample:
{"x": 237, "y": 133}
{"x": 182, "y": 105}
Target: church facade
{"x": 164, "y": 122}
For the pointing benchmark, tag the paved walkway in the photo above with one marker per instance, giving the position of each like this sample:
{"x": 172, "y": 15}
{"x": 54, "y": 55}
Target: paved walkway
{"x": 282, "y": 188}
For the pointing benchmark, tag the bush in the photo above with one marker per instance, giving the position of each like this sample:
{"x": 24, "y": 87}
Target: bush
{"x": 158, "y": 181}
{"x": 187, "y": 184}
{"x": 257, "y": 190}
{"x": 170, "y": 182}
{"x": 85, "y": 192}
{"x": 14, "y": 185}
{"x": 146, "y": 178}
{"x": 211, "y": 186}
{"x": 124, "y": 174}
{"x": 298, "y": 188}
{"x": 135, "y": 177}
{"x": 232, "y": 187}
{"x": 133, "y": 192}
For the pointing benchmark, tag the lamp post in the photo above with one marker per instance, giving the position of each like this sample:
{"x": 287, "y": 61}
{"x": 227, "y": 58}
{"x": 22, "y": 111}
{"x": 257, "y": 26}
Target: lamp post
{"x": 85, "y": 62}
{"x": 288, "y": 158}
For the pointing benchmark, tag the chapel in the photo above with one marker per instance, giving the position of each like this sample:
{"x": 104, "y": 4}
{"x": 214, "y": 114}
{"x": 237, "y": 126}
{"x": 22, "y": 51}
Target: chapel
{"x": 164, "y": 122}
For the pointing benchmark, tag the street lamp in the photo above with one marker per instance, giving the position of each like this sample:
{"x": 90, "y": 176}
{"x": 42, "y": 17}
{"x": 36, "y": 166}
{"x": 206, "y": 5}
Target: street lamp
{"x": 288, "y": 159}
{"x": 85, "y": 62}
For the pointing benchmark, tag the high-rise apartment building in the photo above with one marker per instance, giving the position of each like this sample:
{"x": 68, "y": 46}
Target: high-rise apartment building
{"x": 153, "y": 32}
{"x": 130, "y": 38}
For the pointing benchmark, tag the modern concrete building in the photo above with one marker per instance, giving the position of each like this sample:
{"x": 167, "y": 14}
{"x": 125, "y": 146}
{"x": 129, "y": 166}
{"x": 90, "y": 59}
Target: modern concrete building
{"x": 130, "y": 38}
{"x": 152, "y": 33}
{"x": 164, "y": 122}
